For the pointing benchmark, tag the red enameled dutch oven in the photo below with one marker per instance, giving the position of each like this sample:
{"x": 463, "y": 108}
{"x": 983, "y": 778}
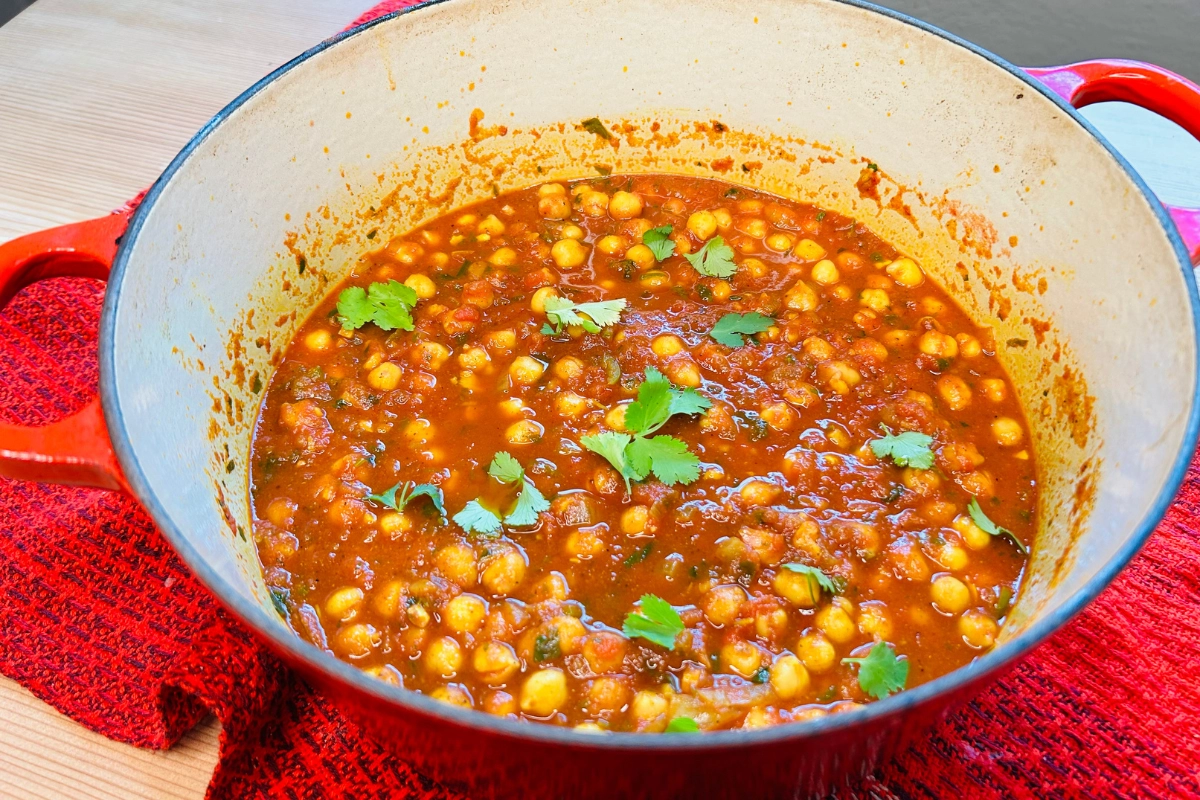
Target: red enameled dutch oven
{"x": 988, "y": 173}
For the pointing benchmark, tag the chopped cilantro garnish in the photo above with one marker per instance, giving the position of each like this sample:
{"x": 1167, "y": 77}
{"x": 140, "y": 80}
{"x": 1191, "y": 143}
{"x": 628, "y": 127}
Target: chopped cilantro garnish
{"x": 589, "y": 316}
{"x": 908, "y": 449}
{"x": 638, "y": 455}
{"x": 388, "y": 305}
{"x": 880, "y": 672}
{"x": 505, "y": 468}
{"x": 714, "y": 259}
{"x": 409, "y": 491}
{"x": 816, "y": 578}
{"x": 530, "y": 501}
{"x": 991, "y": 528}
{"x": 659, "y": 242}
{"x": 682, "y": 725}
{"x": 546, "y": 646}
{"x": 657, "y": 622}
{"x": 730, "y": 328}
{"x": 638, "y": 556}
{"x": 594, "y": 125}
{"x": 476, "y": 518}
{"x": 547, "y": 330}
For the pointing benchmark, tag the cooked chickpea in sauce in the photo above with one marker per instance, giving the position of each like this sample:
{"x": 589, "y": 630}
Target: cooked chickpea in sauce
{"x": 644, "y": 453}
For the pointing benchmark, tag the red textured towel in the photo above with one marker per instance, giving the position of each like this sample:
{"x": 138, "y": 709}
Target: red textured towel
{"x": 101, "y": 620}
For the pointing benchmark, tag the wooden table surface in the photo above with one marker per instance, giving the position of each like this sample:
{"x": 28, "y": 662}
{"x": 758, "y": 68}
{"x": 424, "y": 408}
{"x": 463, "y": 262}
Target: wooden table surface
{"x": 96, "y": 96}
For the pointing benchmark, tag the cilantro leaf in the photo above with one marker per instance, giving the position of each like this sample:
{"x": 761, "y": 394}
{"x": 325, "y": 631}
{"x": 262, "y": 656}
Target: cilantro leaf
{"x": 611, "y": 446}
{"x": 547, "y": 330}
{"x": 408, "y": 492}
{"x": 833, "y": 585}
{"x": 589, "y": 316}
{"x": 682, "y": 725}
{"x": 658, "y": 622}
{"x": 354, "y": 310}
{"x": 880, "y": 673}
{"x": 667, "y": 457}
{"x": 547, "y": 646}
{"x": 659, "y": 242}
{"x": 729, "y": 328}
{"x": 388, "y": 305}
{"x": 991, "y": 528}
{"x": 594, "y": 125}
{"x": 658, "y": 401}
{"x": 908, "y": 449}
{"x": 392, "y": 302}
{"x": 474, "y": 517}
{"x": 530, "y": 503}
{"x": 714, "y": 259}
{"x": 505, "y": 468}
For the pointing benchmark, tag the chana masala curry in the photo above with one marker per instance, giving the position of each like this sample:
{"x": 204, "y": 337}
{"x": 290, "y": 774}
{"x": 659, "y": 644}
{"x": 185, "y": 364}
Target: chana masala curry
{"x": 644, "y": 453}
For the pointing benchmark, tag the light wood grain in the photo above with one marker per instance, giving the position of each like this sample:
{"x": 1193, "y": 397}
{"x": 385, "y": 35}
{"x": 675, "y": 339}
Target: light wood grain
{"x": 96, "y": 97}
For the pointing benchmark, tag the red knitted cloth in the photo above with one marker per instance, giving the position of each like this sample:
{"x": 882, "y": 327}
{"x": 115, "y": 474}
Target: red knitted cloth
{"x": 101, "y": 620}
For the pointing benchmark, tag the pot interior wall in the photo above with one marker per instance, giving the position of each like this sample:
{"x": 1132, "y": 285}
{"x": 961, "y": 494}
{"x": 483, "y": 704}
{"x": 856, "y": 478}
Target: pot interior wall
{"x": 1001, "y": 196}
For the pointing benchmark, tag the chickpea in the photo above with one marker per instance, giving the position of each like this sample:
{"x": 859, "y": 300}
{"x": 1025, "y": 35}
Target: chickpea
{"x": 612, "y": 245}
{"x": 950, "y": 594}
{"x": 504, "y": 572}
{"x": 642, "y": 256}
{"x": 606, "y": 694}
{"x": 647, "y": 706}
{"x": 388, "y": 598}
{"x": 825, "y": 272}
{"x": 418, "y": 615}
{"x": 571, "y": 405}
{"x": 906, "y": 273}
{"x": 874, "y": 621}
{"x": 356, "y": 641}
{"x": 584, "y": 544}
{"x": 667, "y": 345}
{"x": 526, "y": 370}
{"x": 457, "y": 562}
{"x": 319, "y": 340}
{"x": 570, "y": 633}
{"x": 801, "y": 297}
{"x": 978, "y": 629}
{"x": 495, "y": 662}
{"x": 615, "y": 418}
{"x": 722, "y": 604}
{"x": 444, "y": 657}
{"x": 655, "y": 279}
{"x": 568, "y": 253}
{"x": 839, "y": 376}
{"x": 454, "y": 695}
{"x": 343, "y": 604}
{"x": 759, "y": 492}
{"x": 500, "y": 703}
{"x": 800, "y": 590}
{"x": 503, "y": 257}
{"x": 723, "y": 217}
{"x": 545, "y": 691}
{"x": 898, "y": 338}
{"x": 405, "y": 252}
{"x": 779, "y": 416}
{"x": 465, "y": 613}
{"x": 875, "y": 299}
{"x": 604, "y": 651}
{"x": 1007, "y": 431}
{"x": 430, "y": 355}
{"x": 817, "y": 348}
{"x": 386, "y": 673}
{"x": 789, "y": 678}
{"x": 501, "y": 341}
{"x": 931, "y": 306}
{"x": 954, "y": 391}
{"x": 594, "y": 203}
{"x": 684, "y": 372}
{"x": 978, "y": 482}
{"x": 770, "y": 625}
{"x": 779, "y": 242}
{"x": 968, "y": 345}
{"x": 702, "y": 224}
{"x": 993, "y": 389}
{"x": 384, "y": 377}
{"x": 573, "y": 232}
{"x": 951, "y": 556}
{"x": 524, "y": 431}
{"x": 634, "y": 519}
{"x": 741, "y": 657}
{"x": 816, "y": 652}
{"x": 922, "y": 481}
{"x": 835, "y": 623}
{"x": 548, "y": 189}
{"x": 808, "y": 250}
{"x": 538, "y": 301}
{"x": 974, "y": 536}
{"x": 938, "y": 345}
{"x": 554, "y": 206}
{"x": 624, "y": 205}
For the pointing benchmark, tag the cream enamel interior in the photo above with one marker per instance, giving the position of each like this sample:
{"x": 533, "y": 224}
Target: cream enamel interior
{"x": 381, "y": 121}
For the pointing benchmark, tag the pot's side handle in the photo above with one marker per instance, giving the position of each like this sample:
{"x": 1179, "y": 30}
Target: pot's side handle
{"x": 75, "y": 450}
{"x": 1153, "y": 88}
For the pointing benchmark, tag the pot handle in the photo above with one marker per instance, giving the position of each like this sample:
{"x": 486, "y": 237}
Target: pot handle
{"x": 74, "y": 450}
{"x": 1153, "y": 88}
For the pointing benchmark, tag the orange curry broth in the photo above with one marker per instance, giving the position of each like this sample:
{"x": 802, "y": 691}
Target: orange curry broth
{"x": 861, "y": 340}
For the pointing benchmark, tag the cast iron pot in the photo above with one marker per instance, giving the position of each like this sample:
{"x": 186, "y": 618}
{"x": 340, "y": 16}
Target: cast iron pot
{"x": 980, "y": 170}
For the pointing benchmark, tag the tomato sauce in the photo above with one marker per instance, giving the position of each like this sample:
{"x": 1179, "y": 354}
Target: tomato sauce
{"x": 776, "y": 473}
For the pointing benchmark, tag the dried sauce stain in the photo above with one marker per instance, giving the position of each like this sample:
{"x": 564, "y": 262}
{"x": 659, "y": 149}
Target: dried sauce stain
{"x": 1075, "y": 405}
